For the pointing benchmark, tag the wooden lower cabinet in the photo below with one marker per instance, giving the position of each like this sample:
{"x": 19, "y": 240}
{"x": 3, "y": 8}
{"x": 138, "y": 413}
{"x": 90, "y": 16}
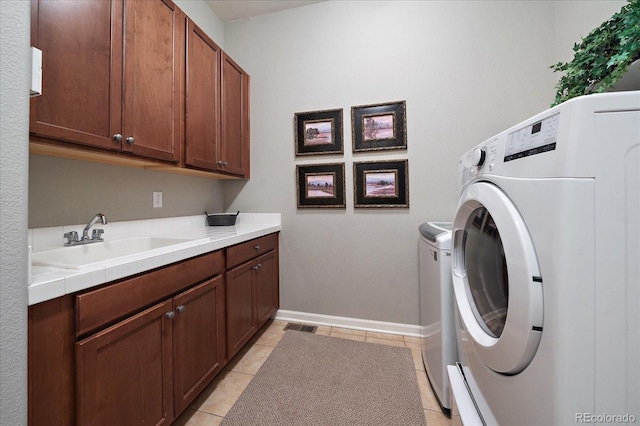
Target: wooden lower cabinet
{"x": 139, "y": 351}
{"x": 267, "y": 286}
{"x": 137, "y": 371}
{"x": 199, "y": 336}
{"x": 252, "y": 291}
{"x": 123, "y": 374}
{"x": 51, "y": 363}
{"x": 241, "y": 317}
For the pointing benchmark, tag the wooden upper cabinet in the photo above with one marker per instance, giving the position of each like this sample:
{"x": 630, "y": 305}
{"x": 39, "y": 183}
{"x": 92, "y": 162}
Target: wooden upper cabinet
{"x": 81, "y": 45}
{"x": 202, "y": 122}
{"x": 153, "y": 57}
{"x": 217, "y": 108}
{"x": 235, "y": 118}
{"x": 120, "y": 77}
{"x": 110, "y": 67}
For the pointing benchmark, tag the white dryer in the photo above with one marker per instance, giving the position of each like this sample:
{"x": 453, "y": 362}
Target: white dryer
{"x": 546, "y": 267}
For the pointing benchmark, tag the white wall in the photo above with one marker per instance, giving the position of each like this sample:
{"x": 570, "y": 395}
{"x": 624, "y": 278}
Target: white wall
{"x": 14, "y": 128}
{"x": 467, "y": 70}
{"x": 576, "y": 19}
{"x": 203, "y": 16}
{"x": 65, "y": 192}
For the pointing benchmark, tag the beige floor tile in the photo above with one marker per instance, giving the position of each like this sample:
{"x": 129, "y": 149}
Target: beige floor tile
{"x": 197, "y": 418}
{"x": 436, "y": 418}
{"x": 397, "y": 343}
{"x": 429, "y": 401}
{"x": 270, "y": 337}
{"x": 412, "y": 342}
{"x": 219, "y": 397}
{"x": 387, "y": 336}
{"x": 348, "y": 331}
{"x": 347, "y": 336}
{"x": 323, "y": 330}
{"x": 269, "y": 327}
{"x": 278, "y": 324}
{"x": 417, "y": 358}
{"x": 249, "y": 362}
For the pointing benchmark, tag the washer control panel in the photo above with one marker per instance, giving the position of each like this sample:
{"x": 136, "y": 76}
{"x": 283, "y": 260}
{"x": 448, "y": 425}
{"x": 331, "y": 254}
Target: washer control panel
{"x": 533, "y": 139}
{"x": 478, "y": 160}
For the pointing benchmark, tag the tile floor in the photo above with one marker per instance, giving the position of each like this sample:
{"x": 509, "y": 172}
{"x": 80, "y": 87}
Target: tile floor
{"x": 217, "y": 399}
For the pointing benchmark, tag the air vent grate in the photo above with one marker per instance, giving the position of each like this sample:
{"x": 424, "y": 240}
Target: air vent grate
{"x": 301, "y": 327}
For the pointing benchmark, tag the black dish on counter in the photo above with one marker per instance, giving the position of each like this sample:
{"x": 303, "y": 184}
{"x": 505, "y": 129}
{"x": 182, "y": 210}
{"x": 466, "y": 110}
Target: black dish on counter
{"x": 221, "y": 219}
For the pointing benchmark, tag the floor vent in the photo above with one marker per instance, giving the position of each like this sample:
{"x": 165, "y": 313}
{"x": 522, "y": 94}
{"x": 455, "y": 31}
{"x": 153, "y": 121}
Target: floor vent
{"x": 301, "y": 327}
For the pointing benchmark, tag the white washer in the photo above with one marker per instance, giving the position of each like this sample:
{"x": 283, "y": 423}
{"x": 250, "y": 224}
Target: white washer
{"x": 437, "y": 322}
{"x": 546, "y": 267}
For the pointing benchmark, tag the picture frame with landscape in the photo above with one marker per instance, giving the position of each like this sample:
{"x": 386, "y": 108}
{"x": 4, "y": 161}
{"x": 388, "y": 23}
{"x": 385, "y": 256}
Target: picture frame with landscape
{"x": 381, "y": 184}
{"x": 318, "y": 132}
{"x": 379, "y": 127}
{"x": 321, "y": 185}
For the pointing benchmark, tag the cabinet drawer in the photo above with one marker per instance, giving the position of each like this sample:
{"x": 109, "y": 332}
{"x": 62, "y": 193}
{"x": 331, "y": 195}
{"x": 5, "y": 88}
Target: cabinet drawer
{"x": 100, "y": 307}
{"x": 243, "y": 252}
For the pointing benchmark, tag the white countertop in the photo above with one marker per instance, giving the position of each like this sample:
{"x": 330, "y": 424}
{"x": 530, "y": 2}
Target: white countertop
{"x": 47, "y": 283}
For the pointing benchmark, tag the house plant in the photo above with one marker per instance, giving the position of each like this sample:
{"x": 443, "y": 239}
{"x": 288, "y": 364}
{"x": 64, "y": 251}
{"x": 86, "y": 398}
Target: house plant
{"x": 603, "y": 56}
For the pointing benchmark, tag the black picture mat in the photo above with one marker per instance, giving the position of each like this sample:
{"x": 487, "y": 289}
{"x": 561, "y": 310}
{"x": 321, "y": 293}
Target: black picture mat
{"x": 334, "y": 115}
{"x": 402, "y": 185}
{"x": 318, "y": 202}
{"x": 398, "y": 141}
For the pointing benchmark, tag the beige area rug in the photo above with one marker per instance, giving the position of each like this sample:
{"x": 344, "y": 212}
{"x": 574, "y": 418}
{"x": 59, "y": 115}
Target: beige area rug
{"x": 319, "y": 380}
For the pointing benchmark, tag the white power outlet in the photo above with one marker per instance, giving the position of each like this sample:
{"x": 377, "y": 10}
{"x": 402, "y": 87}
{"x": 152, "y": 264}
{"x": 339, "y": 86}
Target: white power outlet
{"x": 157, "y": 199}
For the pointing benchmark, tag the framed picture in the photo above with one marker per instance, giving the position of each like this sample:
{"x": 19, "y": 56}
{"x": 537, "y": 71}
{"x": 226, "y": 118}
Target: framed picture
{"x": 320, "y": 185}
{"x": 381, "y": 184}
{"x": 318, "y": 132}
{"x": 378, "y": 127}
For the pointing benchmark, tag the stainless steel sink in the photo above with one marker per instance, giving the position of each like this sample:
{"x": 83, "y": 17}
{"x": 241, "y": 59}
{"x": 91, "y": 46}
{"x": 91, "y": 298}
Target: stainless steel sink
{"x": 82, "y": 256}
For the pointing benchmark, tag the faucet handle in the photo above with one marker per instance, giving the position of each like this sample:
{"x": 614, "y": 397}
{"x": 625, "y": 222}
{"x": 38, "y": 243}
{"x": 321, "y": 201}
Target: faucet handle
{"x": 71, "y": 236}
{"x": 97, "y": 234}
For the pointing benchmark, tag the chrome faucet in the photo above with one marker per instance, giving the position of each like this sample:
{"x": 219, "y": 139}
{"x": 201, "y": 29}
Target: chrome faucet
{"x": 96, "y": 235}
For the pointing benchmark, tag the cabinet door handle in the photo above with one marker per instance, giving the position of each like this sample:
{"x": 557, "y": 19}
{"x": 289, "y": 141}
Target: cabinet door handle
{"x": 170, "y": 315}
{"x": 181, "y": 308}
{"x": 117, "y": 137}
{"x": 130, "y": 140}
{"x": 258, "y": 266}
{"x": 222, "y": 163}
{"x": 257, "y": 247}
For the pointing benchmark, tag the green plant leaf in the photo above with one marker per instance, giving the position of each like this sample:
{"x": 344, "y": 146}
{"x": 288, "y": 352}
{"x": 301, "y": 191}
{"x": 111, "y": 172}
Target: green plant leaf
{"x": 602, "y": 57}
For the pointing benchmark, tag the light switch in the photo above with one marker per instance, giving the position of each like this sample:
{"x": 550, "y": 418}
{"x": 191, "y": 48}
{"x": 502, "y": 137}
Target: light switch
{"x": 157, "y": 199}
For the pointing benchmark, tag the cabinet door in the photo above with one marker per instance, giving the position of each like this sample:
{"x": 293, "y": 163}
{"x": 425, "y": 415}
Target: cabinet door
{"x": 202, "y": 97}
{"x": 154, "y": 53}
{"x": 266, "y": 282}
{"x": 81, "y": 43}
{"x": 241, "y": 315}
{"x": 123, "y": 373}
{"x": 235, "y": 118}
{"x": 198, "y": 338}
{"x": 51, "y": 347}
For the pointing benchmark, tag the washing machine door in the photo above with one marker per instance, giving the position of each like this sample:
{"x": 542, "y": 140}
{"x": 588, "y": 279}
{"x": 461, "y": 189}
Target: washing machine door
{"x": 496, "y": 279}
